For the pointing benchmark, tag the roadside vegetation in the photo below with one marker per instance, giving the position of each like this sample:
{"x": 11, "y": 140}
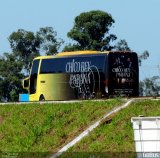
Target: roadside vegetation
{"x": 39, "y": 130}
{"x": 47, "y": 127}
{"x": 115, "y": 134}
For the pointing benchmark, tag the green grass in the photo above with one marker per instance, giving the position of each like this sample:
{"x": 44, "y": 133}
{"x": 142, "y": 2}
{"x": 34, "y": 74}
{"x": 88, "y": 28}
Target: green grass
{"x": 47, "y": 127}
{"x": 117, "y": 135}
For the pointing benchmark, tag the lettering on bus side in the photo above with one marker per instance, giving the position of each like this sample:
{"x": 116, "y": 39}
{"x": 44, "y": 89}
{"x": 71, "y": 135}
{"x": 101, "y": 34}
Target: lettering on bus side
{"x": 122, "y": 72}
{"x": 75, "y": 66}
{"x": 82, "y": 76}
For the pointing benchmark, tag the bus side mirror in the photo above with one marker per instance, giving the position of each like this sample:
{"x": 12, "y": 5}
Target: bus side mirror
{"x": 26, "y": 83}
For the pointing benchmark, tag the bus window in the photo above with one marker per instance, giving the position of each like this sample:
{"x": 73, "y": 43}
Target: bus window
{"x": 72, "y": 64}
{"x": 53, "y": 66}
{"x": 26, "y": 83}
{"x": 33, "y": 76}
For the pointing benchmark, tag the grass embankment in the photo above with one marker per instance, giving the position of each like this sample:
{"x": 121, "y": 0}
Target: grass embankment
{"x": 47, "y": 127}
{"x": 117, "y": 135}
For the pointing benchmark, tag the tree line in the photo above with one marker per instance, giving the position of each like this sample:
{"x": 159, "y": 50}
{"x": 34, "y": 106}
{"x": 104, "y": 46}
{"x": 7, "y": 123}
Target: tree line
{"x": 91, "y": 31}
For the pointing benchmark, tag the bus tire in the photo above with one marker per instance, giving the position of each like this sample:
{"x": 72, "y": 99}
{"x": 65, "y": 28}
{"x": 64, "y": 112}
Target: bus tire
{"x": 41, "y": 98}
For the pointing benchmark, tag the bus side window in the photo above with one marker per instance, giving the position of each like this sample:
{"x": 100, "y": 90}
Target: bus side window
{"x": 26, "y": 83}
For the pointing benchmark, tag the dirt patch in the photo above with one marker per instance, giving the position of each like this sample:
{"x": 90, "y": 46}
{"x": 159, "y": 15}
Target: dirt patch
{"x": 1, "y": 136}
{"x": 108, "y": 119}
{"x": 1, "y": 119}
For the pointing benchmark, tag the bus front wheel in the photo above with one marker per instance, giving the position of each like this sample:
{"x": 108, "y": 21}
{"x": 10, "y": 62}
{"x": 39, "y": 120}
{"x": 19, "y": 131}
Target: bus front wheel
{"x": 41, "y": 98}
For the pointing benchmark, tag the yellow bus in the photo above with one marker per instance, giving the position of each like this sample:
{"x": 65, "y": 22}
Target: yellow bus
{"x": 83, "y": 75}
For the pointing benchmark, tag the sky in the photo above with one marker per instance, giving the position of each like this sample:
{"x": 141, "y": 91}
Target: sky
{"x": 136, "y": 21}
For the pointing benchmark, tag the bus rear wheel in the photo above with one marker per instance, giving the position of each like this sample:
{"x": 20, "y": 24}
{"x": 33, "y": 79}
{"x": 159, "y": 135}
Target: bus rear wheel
{"x": 41, "y": 98}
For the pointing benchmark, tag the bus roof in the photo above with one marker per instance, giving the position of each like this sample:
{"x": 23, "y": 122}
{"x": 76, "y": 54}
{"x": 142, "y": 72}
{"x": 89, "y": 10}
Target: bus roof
{"x": 75, "y": 53}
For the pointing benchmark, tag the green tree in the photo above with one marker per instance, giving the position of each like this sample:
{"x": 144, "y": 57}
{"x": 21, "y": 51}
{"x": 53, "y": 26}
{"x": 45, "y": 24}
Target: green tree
{"x": 10, "y": 75}
{"x": 26, "y": 45}
{"x": 141, "y": 88}
{"x": 49, "y": 42}
{"x": 150, "y": 86}
{"x": 91, "y": 31}
{"x": 143, "y": 56}
{"x": 122, "y": 45}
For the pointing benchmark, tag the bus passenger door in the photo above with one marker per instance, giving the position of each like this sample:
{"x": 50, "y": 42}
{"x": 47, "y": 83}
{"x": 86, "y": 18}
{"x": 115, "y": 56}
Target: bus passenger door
{"x": 33, "y": 81}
